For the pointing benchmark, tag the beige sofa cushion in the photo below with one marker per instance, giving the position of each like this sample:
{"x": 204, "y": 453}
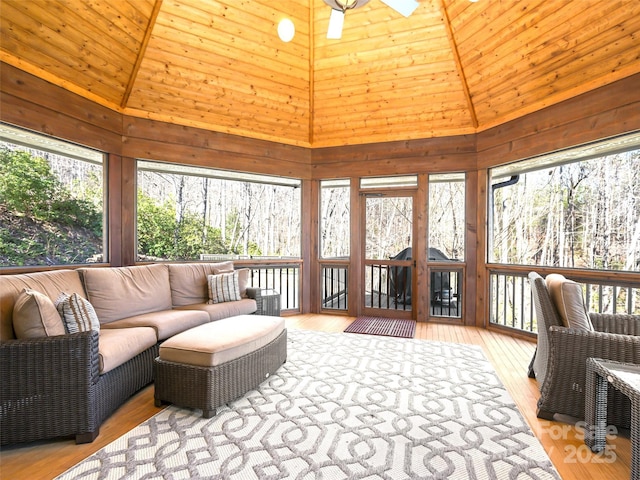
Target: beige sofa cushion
{"x": 244, "y": 277}
{"x": 35, "y": 315}
{"x": 165, "y": 323}
{"x": 567, "y": 297}
{"x": 223, "y": 267}
{"x": 50, "y": 283}
{"x": 117, "y": 346}
{"x": 122, "y": 292}
{"x": 222, "y": 341}
{"x": 218, "y": 311}
{"x": 188, "y": 281}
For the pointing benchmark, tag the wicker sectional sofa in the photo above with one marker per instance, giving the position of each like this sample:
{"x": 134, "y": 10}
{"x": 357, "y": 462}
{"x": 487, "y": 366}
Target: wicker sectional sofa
{"x": 67, "y": 385}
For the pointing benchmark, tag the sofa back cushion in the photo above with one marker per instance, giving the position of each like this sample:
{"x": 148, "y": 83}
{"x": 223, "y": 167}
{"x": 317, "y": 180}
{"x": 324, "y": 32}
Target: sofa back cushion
{"x": 121, "y": 292}
{"x": 49, "y": 283}
{"x": 189, "y": 281}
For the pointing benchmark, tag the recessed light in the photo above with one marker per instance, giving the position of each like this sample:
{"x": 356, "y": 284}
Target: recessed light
{"x": 286, "y": 30}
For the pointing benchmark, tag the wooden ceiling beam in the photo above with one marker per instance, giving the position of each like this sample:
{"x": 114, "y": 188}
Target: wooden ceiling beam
{"x": 456, "y": 57}
{"x": 141, "y": 53}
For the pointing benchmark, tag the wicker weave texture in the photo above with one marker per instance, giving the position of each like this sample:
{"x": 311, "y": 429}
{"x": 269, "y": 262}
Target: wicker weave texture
{"x": 561, "y": 356}
{"x": 599, "y": 376}
{"x": 50, "y": 387}
{"x": 207, "y": 388}
{"x": 267, "y": 301}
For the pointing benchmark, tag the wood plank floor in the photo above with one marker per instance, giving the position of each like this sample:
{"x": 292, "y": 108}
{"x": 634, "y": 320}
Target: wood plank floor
{"x": 562, "y": 441}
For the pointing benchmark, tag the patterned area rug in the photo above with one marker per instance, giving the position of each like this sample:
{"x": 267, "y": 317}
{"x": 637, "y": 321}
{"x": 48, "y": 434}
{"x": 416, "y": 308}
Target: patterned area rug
{"x": 343, "y": 407}
{"x": 390, "y": 327}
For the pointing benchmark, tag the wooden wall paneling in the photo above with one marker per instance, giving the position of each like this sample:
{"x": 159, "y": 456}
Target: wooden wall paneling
{"x": 604, "y": 112}
{"x": 396, "y": 166}
{"x": 481, "y": 279}
{"x": 421, "y": 207}
{"x": 162, "y": 141}
{"x": 210, "y": 157}
{"x": 36, "y": 118}
{"x": 29, "y": 87}
{"x": 138, "y": 128}
{"x": 121, "y": 201}
{"x": 355, "y": 250}
{"x": 129, "y": 182}
{"x": 455, "y": 153}
{"x": 618, "y": 94}
{"x": 310, "y": 209}
{"x": 40, "y": 106}
{"x": 471, "y": 241}
{"x": 457, "y": 144}
{"x": 113, "y": 193}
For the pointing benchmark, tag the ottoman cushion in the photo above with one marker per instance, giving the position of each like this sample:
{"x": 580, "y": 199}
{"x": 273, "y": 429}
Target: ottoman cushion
{"x": 219, "y": 342}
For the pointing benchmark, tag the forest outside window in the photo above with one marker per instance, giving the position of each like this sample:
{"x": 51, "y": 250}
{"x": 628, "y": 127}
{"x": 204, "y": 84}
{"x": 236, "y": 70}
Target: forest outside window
{"x": 51, "y": 201}
{"x": 446, "y": 243}
{"x": 578, "y": 208}
{"x": 335, "y": 235}
{"x": 335, "y": 218}
{"x": 197, "y": 213}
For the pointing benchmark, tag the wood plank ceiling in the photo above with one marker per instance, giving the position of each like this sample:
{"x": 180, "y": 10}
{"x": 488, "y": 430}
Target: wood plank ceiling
{"x": 453, "y": 67}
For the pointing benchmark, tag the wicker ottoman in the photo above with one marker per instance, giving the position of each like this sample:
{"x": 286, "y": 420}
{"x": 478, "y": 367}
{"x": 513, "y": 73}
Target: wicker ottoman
{"x": 212, "y": 364}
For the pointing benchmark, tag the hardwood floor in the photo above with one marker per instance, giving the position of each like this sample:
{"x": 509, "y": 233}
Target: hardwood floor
{"x": 562, "y": 441}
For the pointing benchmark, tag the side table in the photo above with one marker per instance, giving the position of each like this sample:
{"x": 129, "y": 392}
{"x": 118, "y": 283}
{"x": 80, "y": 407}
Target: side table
{"x": 270, "y": 302}
{"x": 625, "y": 377}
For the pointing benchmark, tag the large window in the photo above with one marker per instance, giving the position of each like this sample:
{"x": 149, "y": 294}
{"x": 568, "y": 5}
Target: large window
{"x": 51, "y": 201}
{"x": 577, "y": 209}
{"x": 446, "y": 243}
{"x": 335, "y": 235}
{"x": 335, "y": 218}
{"x": 446, "y": 216}
{"x": 193, "y": 213}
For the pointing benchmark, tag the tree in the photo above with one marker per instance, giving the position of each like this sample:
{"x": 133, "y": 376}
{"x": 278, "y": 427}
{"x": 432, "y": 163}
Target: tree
{"x": 162, "y": 235}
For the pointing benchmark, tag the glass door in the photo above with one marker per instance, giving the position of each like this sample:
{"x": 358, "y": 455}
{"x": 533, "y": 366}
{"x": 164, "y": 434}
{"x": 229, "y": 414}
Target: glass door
{"x": 388, "y": 265}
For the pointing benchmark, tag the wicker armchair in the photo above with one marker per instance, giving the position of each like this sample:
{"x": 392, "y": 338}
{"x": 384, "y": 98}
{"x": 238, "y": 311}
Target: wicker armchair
{"x": 559, "y": 364}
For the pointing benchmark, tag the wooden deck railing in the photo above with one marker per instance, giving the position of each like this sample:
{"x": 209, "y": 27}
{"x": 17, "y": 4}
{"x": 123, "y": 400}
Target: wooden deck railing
{"x": 510, "y": 302}
{"x": 334, "y": 285}
{"x": 281, "y": 274}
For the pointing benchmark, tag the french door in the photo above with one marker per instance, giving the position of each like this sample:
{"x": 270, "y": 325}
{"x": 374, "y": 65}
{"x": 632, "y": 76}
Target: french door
{"x": 388, "y": 264}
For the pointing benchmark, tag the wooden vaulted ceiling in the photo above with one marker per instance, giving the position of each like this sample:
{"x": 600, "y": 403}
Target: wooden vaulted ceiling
{"x": 453, "y": 67}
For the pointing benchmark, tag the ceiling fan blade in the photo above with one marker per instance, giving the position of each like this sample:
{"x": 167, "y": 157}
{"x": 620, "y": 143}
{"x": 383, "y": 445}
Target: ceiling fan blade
{"x": 403, "y": 7}
{"x": 335, "y": 24}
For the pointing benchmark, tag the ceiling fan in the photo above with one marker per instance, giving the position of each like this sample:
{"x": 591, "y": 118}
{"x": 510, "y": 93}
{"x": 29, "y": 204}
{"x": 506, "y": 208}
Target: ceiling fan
{"x": 340, "y": 7}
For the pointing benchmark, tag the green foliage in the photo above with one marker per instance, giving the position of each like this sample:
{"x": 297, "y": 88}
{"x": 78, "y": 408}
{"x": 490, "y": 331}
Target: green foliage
{"x": 156, "y": 227}
{"x": 29, "y": 187}
{"x": 161, "y": 235}
{"x": 41, "y": 223}
{"x": 26, "y": 183}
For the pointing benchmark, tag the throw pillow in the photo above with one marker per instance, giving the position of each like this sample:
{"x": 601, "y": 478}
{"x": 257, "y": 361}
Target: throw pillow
{"x": 567, "y": 297}
{"x": 223, "y": 287}
{"x": 77, "y": 313}
{"x": 35, "y": 315}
